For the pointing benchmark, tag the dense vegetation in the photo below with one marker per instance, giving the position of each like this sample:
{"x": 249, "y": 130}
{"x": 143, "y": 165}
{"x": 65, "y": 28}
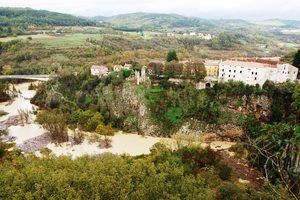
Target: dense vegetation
{"x": 152, "y": 21}
{"x": 189, "y": 173}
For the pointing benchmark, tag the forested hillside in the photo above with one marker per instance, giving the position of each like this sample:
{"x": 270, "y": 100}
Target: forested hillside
{"x": 17, "y": 21}
{"x": 26, "y": 17}
{"x": 150, "y": 21}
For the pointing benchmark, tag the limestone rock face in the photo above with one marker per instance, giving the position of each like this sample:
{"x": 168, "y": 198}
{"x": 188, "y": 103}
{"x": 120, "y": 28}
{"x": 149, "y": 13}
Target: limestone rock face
{"x": 128, "y": 103}
{"x": 260, "y": 106}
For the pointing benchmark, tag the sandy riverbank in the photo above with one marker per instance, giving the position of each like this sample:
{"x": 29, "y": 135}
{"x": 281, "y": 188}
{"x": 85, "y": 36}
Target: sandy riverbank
{"x": 129, "y": 144}
{"x": 22, "y": 102}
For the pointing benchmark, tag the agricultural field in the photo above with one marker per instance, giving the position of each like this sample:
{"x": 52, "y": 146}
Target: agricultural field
{"x": 66, "y": 40}
{"x": 25, "y": 37}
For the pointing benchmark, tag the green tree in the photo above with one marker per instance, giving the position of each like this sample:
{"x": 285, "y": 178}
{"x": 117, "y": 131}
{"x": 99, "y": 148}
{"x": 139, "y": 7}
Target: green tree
{"x": 275, "y": 151}
{"x": 93, "y": 122}
{"x": 105, "y": 131}
{"x": 2, "y": 146}
{"x": 296, "y": 61}
{"x": 126, "y": 72}
{"x": 296, "y": 103}
{"x": 172, "y": 56}
{"x": 195, "y": 70}
{"x": 3, "y": 92}
{"x": 173, "y": 69}
{"x": 56, "y": 123}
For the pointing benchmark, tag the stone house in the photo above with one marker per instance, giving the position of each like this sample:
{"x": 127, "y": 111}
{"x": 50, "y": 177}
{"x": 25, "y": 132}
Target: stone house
{"x": 100, "y": 71}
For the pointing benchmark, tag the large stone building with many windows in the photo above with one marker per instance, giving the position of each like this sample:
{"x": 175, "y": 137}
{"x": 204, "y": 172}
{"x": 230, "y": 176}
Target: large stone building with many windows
{"x": 254, "y": 72}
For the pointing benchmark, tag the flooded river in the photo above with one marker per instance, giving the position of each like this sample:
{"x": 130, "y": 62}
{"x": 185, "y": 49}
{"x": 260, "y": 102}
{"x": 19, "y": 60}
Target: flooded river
{"x": 32, "y": 135}
{"x": 130, "y": 144}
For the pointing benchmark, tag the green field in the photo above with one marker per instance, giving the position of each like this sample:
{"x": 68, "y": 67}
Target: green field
{"x": 67, "y": 41}
{"x": 60, "y": 41}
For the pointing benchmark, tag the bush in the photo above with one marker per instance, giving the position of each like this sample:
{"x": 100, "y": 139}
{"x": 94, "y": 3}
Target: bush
{"x": 197, "y": 158}
{"x": 78, "y": 136}
{"x": 224, "y": 171}
{"x": 229, "y": 191}
{"x": 56, "y": 123}
{"x": 93, "y": 122}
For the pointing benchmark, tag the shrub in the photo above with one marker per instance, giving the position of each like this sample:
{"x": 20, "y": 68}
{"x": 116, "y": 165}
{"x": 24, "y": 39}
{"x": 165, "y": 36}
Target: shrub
{"x": 224, "y": 171}
{"x": 78, "y": 136}
{"x": 56, "y": 123}
{"x": 105, "y": 131}
{"x": 229, "y": 191}
{"x": 198, "y": 158}
{"x": 93, "y": 122}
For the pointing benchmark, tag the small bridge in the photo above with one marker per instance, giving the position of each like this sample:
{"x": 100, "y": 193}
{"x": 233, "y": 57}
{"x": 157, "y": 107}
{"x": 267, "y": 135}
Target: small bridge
{"x": 29, "y": 77}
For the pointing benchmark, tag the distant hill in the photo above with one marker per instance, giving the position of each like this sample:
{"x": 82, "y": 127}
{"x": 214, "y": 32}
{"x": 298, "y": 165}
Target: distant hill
{"x": 26, "y": 16}
{"x": 280, "y": 23}
{"x": 155, "y": 21}
{"x": 99, "y": 18}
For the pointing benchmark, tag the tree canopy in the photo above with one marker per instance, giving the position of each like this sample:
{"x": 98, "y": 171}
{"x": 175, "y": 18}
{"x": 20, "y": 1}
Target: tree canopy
{"x": 172, "y": 56}
{"x": 296, "y": 61}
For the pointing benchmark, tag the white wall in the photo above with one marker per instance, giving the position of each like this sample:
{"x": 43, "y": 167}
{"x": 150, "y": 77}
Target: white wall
{"x": 258, "y": 75}
{"x": 251, "y": 76}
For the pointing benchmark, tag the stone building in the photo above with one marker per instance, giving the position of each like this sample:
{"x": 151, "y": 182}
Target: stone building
{"x": 257, "y": 71}
{"x": 100, "y": 71}
{"x": 212, "y": 67}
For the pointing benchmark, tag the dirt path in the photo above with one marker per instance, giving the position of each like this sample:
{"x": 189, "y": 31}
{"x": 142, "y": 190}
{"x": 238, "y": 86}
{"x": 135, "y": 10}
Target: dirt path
{"x": 241, "y": 169}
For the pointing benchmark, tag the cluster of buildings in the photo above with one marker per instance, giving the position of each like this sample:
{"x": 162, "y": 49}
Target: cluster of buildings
{"x": 103, "y": 71}
{"x": 251, "y": 71}
{"x": 204, "y": 36}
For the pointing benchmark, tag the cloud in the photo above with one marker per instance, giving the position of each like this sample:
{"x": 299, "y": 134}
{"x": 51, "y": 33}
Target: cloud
{"x": 248, "y": 9}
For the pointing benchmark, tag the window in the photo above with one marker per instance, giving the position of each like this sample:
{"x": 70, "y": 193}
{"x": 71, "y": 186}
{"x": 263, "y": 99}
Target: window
{"x": 241, "y": 71}
{"x": 252, "y": 73}
{"x": 255, "y": 73}
{"x": 229, "y": 76}
{"x": 230, "y": 70}
{"x": 234, "y": 71}
{"x": 255, "y": 78}
{"x": 233, "y": 76}
{"x": 222, "y": 70}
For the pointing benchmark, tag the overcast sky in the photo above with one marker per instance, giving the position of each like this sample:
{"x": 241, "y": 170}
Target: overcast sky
{"x": 245, "y": 9}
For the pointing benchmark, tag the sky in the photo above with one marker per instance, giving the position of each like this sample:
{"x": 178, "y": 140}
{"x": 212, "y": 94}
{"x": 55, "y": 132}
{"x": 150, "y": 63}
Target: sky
{"x": 217, "y": 9}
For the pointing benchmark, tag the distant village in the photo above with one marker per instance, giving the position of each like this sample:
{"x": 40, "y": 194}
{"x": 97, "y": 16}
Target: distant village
{"x": 203, "y": 36}
{"x": 251, "y": 71}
